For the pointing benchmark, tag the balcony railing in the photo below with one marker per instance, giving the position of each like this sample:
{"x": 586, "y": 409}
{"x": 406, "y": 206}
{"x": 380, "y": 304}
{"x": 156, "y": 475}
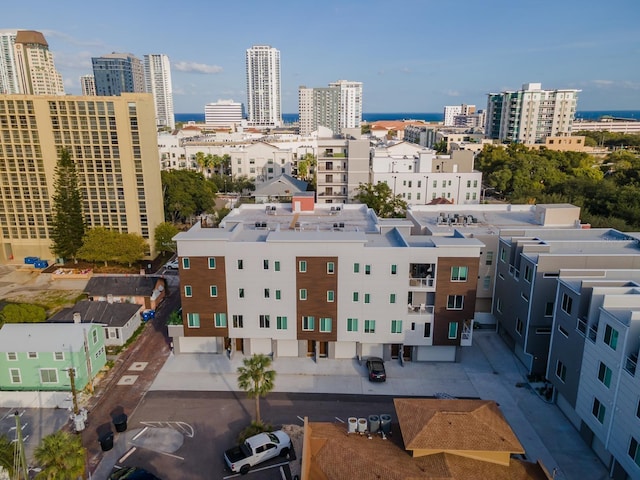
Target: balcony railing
{"x": 421, "y": 282}
{"x": 466, "y": 338}
{"x": 593, "y": 333}
{"x": 421, "y": 309}
{"x": 582, "y": 327}
{"x": 631, "y": 363}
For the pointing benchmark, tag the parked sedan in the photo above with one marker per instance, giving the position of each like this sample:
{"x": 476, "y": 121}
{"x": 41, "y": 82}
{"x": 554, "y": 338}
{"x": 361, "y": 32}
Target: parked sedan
{"x": 131, "y": 473}
{"x": 171, "y": 265}
{"x": 375, "y": 366}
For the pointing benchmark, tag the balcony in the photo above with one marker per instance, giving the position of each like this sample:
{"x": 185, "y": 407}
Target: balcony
{"x": 421, "y": 282}
{"x": 422, "y": 275}
{"x": 466, "y": 339}
{"x": 592, "y": 334}
{"x": 421, "y": 309}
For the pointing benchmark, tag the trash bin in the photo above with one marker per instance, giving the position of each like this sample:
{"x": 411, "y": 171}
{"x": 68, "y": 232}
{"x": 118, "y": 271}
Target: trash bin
{"x": 106, "y": 441}
{"x": 120, "y": 422}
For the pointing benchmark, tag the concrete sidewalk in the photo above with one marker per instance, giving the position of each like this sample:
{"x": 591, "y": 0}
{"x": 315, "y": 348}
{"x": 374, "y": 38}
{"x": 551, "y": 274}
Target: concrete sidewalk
{"x": 487, "y": 370}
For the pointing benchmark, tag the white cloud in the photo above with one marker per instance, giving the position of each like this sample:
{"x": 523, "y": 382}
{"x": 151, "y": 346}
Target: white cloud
{"x": 72, "y": 40}
{"x": 452, "y": 93}
{"x": 194, "y": 67}
{"x": 603, "y": 83}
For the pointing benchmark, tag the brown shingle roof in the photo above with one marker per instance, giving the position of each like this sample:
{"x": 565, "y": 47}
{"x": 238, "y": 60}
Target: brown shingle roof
{"x": 30, "y": 36}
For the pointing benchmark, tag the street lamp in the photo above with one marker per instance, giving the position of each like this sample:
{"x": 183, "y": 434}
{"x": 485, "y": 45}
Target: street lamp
{"x": 426, "y": 188}
{"x": 394, "y": 185}
{"x": 459, "y": 178}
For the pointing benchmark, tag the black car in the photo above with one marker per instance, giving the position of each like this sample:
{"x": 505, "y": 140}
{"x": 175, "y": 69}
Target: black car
{"x": 132, "y": 473}
{"x": 375, "y": 366}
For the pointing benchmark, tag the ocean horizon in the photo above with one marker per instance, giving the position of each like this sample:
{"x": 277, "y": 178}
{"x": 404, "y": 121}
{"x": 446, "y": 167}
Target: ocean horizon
{"x": 290, "y": 118}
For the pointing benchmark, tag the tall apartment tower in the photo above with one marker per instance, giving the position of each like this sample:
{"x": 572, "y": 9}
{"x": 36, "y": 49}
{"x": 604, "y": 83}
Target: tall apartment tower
{"x": 531, "y": 114}
{"x": 88, "y": 84}
{"x": 118, "y": 73}
{"x": 223, "y": 113}
{"x": 157, "y": 73}
{"x": 113, "y": 143}
{"x": 8, "y": 71}
{"x": 350, "y": 103}
{"x": 263, "y": 86}
{"x": 35, "y": 70}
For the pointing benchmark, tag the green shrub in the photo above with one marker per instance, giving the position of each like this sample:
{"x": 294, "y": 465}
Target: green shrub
{"x": 254, "y": 429}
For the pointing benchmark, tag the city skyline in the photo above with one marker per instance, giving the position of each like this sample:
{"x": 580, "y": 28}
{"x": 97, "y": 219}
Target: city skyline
{"x": 417, "y": 62}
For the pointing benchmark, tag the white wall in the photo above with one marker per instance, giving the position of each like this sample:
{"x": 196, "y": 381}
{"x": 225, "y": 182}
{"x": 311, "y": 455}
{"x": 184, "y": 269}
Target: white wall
{"x": 35, "y": 400}
{"x": 197, "y": 344}
{"x": 345, "y": 349}
{"x": 286, "y": 348}
{"x": 436, "y": 354}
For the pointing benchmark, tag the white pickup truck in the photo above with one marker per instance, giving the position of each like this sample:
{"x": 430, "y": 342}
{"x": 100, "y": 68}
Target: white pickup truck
{"x": 257, "y": 449}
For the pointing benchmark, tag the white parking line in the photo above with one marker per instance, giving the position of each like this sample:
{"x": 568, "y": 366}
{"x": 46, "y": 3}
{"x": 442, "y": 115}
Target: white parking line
{"x": 300, "y": 418}
{"x": 141, "y": 432}
{"x": 339, "y": 419}
{"x": 278, "y": 465}
{"x": 126, "y": 455}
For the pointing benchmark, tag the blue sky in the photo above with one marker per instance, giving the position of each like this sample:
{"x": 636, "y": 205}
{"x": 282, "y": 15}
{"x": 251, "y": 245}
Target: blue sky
{"x": 412, "y": 55}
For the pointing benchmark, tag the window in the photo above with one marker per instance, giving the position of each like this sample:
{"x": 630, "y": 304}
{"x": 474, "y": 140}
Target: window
{"x": 499, "y": 305}
{"x": 241, "y": 293}
{"x": 308, "y": 323}
{"x": 303, "y": 294}
{"x": 276, "y": 266}
{"x": 238, "y": 321}
{"x": 486, "y": 282}
{"x": 598, "y": 410}
{"x": 213, "y": 290}
{"x": 264, "y": 321}
{"x": 369, "y": 326}
{"x": 367, "y": 298}
{"x": 453, "y": 330}
{"x": 193, "y": 320}
{"x": 12, "y": 356}
{"x": 356, "y": 268}
{"x": 427, "y": 330}
{"x": 267, "y": 293}
{"x": 325, "y": 324}
{"x": 212, "y": 262}
{"x": 48, "y": 375}
{"x": 240, "y": 264}
{"x": 302, "y": 266}
{"x": 186, "y": 264}
{"x": 519, "y": 326}
{"x": 220, "y": 320}
{"x": 355, "y": 296}
{"x": 503, "y": 255}
{"x": 32, "y": 355}
{"x": 459, "y": 274}
{"x": 396, "y": 326}
{"x": 604, "y": 375}
{"x": 278, "y": 295}
{"x": 394, "y": 269}
{"x": 528, "y": 273}
{"x": 281, "y": 323}
{"x": 392, "y": 298}
{"x": 489, "y": 259}
{"x": 265, "y": 264}
{"x": 187, "y": 291}
{"x": 367, "y": 269}
{"x": 548, "y": 309}
{"x": 634, "y": 451}
{"x": 331, "y": 268}
{"x": 455, "y": 302}
{"x": 611, "y": 337}
{"x": 94, "y": 336}
{"x": 330, "y": 296}
{"x": 58, "y": 356}
{"x": 15, "y": 375}
{"x": 563, "y": 331}
{"x": 543, "y": 331}
{"x": 561, "y": 371}
{"x": 567, "y": 302}
{"x": 352, "y": 324}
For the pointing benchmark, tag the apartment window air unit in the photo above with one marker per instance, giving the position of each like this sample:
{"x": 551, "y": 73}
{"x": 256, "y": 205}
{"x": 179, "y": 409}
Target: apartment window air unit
{"x": 261, "y": 225}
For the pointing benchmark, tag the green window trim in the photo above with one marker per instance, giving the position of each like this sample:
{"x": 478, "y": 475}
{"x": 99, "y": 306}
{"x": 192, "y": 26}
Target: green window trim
{"x": 308, "y": 323}
{"x": 220, "y": 320}
{"x": 302, "y": 266}
{"x": 212, "y": 263}
{"x": 396, "y": 326}
{"x": 352, "y": 324}
{"x": 331, "y": 296}
{"x": 186, "y": 264}
{"x": 302, "y": 294}
{"x": 188, "y": 291}
{"x": 453, "y": 330}
{"x": 326, "y": 324}
{"x": 213, "y": 290}
{"x": 369, "y": 326}
{"x": 193, "y": 320}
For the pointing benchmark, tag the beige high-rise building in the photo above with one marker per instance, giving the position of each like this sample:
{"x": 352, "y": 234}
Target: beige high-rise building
{"x": 88, "y": 85}
{"x": 113, "y": 143}
{"x": 37, "y": 74}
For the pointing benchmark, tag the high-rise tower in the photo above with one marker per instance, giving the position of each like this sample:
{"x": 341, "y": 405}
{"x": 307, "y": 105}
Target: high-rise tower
{"x": 88, "y": 84}
{"x": 263, "y": 86}
{"x": 336, "y": 107}
{"x": 35, "y": 70}
{"x": 350, "y": 103}
{"x": 117, "y": 73}
{"x": 157, "y": 73}
{"x": 8, "y": 71}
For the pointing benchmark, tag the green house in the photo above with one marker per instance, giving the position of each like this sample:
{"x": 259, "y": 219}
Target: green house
{"x": 38, "y": 356}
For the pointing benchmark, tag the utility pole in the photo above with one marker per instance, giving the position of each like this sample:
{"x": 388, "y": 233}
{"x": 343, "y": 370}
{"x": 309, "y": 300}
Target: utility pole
{"x": 19, "y": 460}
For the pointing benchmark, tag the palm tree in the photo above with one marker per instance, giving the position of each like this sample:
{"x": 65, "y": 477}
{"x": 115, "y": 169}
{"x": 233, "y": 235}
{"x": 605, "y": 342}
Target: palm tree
{"x": 255, "y": 378}
{"x": 7, "y": 452}
{"x": 60, "y": 456}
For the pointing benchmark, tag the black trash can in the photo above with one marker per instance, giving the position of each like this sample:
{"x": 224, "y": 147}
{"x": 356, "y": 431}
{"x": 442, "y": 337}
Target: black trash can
{"x": 106, "y": 441}
{"x": 120, "y": 422}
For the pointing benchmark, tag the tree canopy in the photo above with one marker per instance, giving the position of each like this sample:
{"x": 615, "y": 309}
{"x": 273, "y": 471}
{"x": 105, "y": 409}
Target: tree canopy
{"x": 60, "y": 456}
{"x": 186, "y": 193}
{"x": 67, "y": 223}
{"x": 381, "y": 200}
{"x": 164, "y": 234}
{"x": 22, "y": 313}
{"x": 103, "y": 245}
{"x": 256, "y": 378}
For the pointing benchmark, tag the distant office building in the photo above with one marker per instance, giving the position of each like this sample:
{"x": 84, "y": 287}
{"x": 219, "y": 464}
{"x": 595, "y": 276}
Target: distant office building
{"x": 88, "y": 84}
{"x": 335, "y": 107}
{"x": 423, "y": 135}
{"x": 118, "y": 73}
{"x": 453, "y": 111}
{"x": 157, "y": 72}
{"x": 8, "y": 70}
{"x": 223, "y": 113}
{"x": 36, "y": 72}
{"x": 530, "y": 114}
{"x": 263, "y": 86}
{"x": 113, "y": 143}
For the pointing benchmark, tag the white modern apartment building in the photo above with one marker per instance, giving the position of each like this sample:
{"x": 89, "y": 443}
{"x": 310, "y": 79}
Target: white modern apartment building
{"x": 420, "y": 176}
{"x": 453, "y": 111}
{"x": 350, "y": 112}
{"x": 157, "y": 73}
{"x": 530, "y": 114}
{"x": 335, "y": 107}
{"x": 324, "y": 281}
{"x": 263, "y": 86}
{"x": 88, "y": 85}
{"x": 36, "y": 71}
{"x": 223, "y": 113}
{"x": 8, "y": 70}
{"x": 615, "y": 125}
